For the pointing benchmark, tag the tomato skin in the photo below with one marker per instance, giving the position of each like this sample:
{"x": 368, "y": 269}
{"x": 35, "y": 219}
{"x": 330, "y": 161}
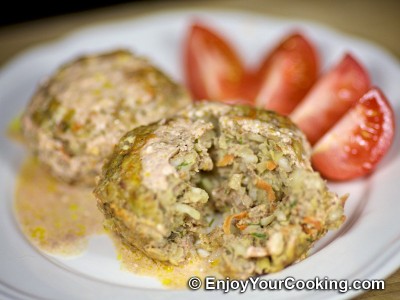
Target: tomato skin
{"x": 330, "y": 98}
{"x": 287, "y": 74}
{"x": 356, "y": 144}
{"x": 212, "y": 69}
{"x": 249, "y": 87}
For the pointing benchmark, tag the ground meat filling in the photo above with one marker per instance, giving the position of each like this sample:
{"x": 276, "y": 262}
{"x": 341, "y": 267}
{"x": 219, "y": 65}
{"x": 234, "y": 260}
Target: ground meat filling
{"x": 77, "y": 116}
{"x": 166, "y": 186}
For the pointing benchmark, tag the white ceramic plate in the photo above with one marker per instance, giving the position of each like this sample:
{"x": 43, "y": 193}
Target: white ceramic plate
{"x": 367, "y": 246}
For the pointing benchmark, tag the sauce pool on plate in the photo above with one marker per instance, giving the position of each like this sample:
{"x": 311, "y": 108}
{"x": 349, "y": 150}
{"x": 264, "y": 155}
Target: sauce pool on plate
{"x": 56, "y": 217}
{"x": 59, "y": 219}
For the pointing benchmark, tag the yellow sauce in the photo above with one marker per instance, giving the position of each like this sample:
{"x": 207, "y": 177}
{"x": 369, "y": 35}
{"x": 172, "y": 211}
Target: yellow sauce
{"x": 56, "y": 217}
{"x": 169, "y": 275}
{"x": 59, "y": 219}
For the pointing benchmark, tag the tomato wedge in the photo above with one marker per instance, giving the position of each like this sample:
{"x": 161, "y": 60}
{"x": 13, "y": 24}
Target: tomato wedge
{"x": 212, "y": 68}
{"x": 287, "y": 74}
{"x": 330, "y": 98}
{"x": 354, "y": 146}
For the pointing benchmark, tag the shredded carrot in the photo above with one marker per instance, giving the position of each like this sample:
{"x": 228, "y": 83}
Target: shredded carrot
{"x": 311, "y": 221}
{"x": 76, "y": 126}
{"x": 270, "y": 165}
{"x": 227, "y": 223}
{"x": 306, "y": 229}
{"x": 226, "y": 160}
{"x": 241, "y": 226}
{"x": 261, "y": 184}
{"x": 343, "y": 199}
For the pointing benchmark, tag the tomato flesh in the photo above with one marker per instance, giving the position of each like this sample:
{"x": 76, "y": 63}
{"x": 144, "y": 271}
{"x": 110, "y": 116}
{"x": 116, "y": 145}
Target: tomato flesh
{"x": 330, "y": 98}
{"x": 355, "y": 145}
{"x": 287, "y": 74}
{"x": 213, "y": 70}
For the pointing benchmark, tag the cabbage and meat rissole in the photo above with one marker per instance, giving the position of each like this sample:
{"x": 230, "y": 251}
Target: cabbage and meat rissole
{"x": 166, "y": 181}
{"x": 77, "y": 116}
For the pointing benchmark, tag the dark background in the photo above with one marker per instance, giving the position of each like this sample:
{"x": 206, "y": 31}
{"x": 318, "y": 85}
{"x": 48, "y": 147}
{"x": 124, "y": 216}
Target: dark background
{"x": 26, "y": 24}
{"x": 18, "y": 11}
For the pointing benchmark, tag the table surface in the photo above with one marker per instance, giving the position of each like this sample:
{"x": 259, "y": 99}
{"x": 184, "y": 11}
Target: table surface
{"x": 378, "y": 21}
